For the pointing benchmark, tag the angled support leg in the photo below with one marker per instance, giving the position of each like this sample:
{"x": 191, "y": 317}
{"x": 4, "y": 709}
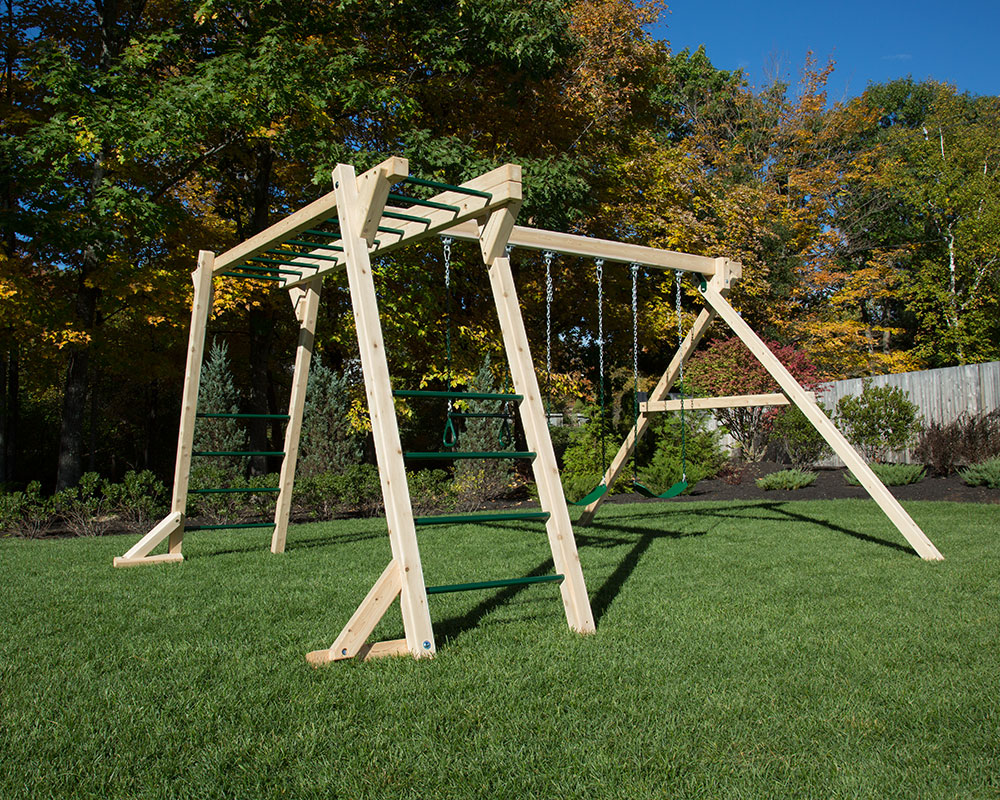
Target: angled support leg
{"x": 305, "y": 298}
{"x": 889, "y": 505}
{"x": 382, "y": 412}
{"x": 172, "y": 527}
{"x": 536, "y": 431}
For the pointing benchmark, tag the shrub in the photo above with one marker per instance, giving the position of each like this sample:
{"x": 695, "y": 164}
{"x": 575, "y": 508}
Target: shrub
{"x": 138, "y": 501}
{"x": 328, "y": 443}
{"x": 704, "y": 456}
{"x": 217, "y": 508}
{"x": 985, "y": 474}
{"x": 967, "y": 440}
{"x": 787, "y": 479}
{"x": 217, "y": 395}
{"x": 431, "y": 489}
{"x": 892, "y": 474}
{"x": 802, "y": 441}
{"x": 582, "y": 461}
{"x": 726, "y": 367}
{"x": 84, "y": 508}
{"x": 360, "y": 489}
{"x": 26, "y": 513}
{"x": 879, "y": 420}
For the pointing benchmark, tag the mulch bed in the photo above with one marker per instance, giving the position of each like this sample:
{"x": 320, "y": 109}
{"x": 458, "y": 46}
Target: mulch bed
{"x": 829, "y": 485}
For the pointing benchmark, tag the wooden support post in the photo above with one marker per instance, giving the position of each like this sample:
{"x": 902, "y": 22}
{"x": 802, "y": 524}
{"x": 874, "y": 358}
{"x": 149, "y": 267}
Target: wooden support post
{"x": 889, "y": 505}
{"x": 382, "y": 413}
{"x": 536, "y": 431}
{"x": 660, "y": 391}
{"x": 172, "y": 526}
{"x": 305, "y": 299}
{"x": 201, "y": 310}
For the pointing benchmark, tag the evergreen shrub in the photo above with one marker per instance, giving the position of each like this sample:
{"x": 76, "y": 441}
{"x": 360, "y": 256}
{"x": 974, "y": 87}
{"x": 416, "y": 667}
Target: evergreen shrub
{"x": 985, "y": 474}
{"x": 787, "y": 479}
{"x": 892, "y": 474}
{"x": 879, "y": 420}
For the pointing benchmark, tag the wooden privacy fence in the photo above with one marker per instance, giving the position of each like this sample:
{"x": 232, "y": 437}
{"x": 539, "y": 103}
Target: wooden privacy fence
{"x": 942, "y": 395}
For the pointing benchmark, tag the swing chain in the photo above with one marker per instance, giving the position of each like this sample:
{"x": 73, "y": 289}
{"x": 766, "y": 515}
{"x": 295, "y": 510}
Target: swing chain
{"x": 635, "y": 368}
{"x": 446, "y": 245}
{"x": 680, "y": 345}
{"x": 548, "y": 255}
{"x": 599, "y": 264}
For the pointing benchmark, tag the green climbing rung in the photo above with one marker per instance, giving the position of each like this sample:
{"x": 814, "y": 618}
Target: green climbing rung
{"x": 405, "y": 217}
{"x": 235, "y": 491}
{"x": 251, "y": 276}
{"x": 447, "y": 187}
{"x": 226, "y": 526}
{"x": 456, "y": 395}
{"x": 453, "y": 519}
{"x": 282, "y": 263}
{"x": 210, "y": 415}
{"x": 303, "y": 243}
{"x": 402, "y": 198}
{"x": 294, "y": 254}
{"x": 230, "y": 453}
{"x": 397, "y": 231}
{"x": 449, "y": 455}
{"x": 466, "y": 587}
{"x": 270, "y": 270}
{"x": 327, "y": 234}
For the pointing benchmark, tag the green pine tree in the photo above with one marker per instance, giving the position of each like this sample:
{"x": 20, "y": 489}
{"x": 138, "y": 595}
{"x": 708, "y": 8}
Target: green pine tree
{"x": 218, "y": 395}
{"x": 328, "y": 443}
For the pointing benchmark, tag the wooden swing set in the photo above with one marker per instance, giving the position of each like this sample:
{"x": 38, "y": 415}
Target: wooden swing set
{"x": 367, "y": 215}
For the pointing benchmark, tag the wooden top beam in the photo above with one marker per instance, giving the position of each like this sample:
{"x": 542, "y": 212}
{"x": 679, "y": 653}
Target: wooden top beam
{"x": 572, "y": 244}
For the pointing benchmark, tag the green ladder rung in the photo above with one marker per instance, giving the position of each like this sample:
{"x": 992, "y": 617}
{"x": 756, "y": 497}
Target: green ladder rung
{"x": 209, "y": 415}
{"x": 456, "y": 395}
{"x": 466, "y": 587}
{"x": 402, "y": 198}
{"x": 227, "y": 526}
{"x": 233, "y": 453}
{"x": 452, "y": 519}
{"x": 235, "y": 491}
{"x": 445, "y": 455}
{"x": 447, "y": 187}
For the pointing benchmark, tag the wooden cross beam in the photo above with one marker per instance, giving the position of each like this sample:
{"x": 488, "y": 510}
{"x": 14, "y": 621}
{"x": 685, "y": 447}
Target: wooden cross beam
{"x": 705, "y": 403}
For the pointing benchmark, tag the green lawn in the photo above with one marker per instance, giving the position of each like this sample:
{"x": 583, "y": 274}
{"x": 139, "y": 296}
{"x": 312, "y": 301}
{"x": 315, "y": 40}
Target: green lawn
{"x": 780, "y": 649}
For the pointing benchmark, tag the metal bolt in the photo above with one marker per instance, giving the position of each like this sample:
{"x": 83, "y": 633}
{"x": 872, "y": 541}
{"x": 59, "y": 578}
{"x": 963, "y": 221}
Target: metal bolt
{"x": 427, "y": 645}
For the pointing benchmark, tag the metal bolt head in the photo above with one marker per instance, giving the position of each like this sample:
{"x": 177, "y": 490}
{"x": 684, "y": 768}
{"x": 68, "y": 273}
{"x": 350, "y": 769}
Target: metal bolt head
{"x": 427, "y": 645}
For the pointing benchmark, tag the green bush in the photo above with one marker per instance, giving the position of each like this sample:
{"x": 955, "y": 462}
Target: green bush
{"x": 704, "y": 456}
{"x": 787, "y": 479}
{"x": 582, "y": 461}
{"x": 138, "y": 502}
{"x": 985, "y": 474}
{"x": 879, "y": 420}
{"x": 802, "y": 441}
{"x": 217, "y": 395}
{"x": 328, "y": 443}
{"x": 431, "y": 489}
{"x": 84, "y": 508}
{"x": 26, "y": 513}
{"x": 360, "y": 489}
{"x": 892, "y": 474}
{"x": 217, "y": 508}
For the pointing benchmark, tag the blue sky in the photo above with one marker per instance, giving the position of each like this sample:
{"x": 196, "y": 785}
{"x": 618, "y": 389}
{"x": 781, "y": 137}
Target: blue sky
{"x": 954, "y": 42}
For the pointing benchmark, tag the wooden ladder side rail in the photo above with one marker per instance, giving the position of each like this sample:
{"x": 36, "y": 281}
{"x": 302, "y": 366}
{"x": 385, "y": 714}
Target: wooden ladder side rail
{"x": 889, "y": 505}
{"x": 709, "y": 403}
{"x": 502, "y": 183}
{"x": 305, "y": 300}
{"x": 550, "y": 492}
{"x": 382, "y": 413}
{"x": 172, "y": 526}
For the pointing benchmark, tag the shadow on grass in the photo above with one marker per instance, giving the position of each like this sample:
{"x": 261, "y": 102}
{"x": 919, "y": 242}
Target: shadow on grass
{"x": 754, "y": 510}
{"x": 323, "y": 540}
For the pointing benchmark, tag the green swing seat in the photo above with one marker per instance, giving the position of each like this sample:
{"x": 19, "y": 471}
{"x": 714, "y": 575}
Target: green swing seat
{"x": 598, "y": 491}
{"x": 677, "y": 489}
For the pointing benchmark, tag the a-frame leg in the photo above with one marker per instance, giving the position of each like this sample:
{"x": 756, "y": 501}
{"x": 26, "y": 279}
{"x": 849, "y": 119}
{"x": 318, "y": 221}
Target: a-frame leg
{"x": 172, "y": 526}
{"x": 305, "y": 299}
{"x": 536, "y": 432}
{"x": 807, "y": 405}
{"x": 353, "y": 214}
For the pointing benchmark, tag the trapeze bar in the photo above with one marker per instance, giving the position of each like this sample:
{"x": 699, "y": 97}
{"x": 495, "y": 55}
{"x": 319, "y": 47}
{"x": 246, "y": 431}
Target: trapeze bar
{"x": 447, "y": 187}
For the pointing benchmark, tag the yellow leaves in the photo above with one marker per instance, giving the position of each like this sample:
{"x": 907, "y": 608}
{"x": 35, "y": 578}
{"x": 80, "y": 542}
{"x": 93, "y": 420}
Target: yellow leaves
{"x": 66, "y": 336}
{"x": 86, "y": 140}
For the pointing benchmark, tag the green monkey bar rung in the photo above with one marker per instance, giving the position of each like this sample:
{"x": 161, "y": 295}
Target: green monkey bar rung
{"x": 402, "y": 198}
{"x": 327, "y": 234}
{"x": 453, "y": 519}
{"x": 456, "y": 395}
{"x": 282, "y": 263}
{"x": 466, "y": 587}
{"x": 445, "y": 455}
{"x": 235, "y": 491}
{"x": 447, "y": 187}
{"x": 270, "y": 270}
{"x": 405, "y": 217}
{"x": 220, "y": 415}
{"x": 234, "y": 453}
{"x": 252, "y": 276}
{"x": 294, "y": 254}
{"x": 303, "y": 243}
{"x": 226, "y": 526}
{"x": 396, "y": 231}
